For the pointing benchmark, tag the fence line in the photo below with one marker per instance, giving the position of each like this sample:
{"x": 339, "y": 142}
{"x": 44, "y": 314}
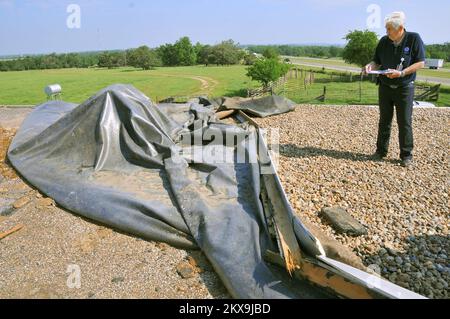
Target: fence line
{"x": 304, "y": 85}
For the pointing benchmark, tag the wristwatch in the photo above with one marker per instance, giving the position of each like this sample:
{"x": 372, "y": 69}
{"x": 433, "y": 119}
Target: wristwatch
{"x": 403, "y": 74}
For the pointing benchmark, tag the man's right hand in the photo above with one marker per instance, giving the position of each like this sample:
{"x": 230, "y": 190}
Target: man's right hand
{"x": 368, "y": 68}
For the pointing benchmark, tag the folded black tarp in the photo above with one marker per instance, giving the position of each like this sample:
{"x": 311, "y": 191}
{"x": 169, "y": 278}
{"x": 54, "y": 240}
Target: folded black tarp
{"x": 259, "y": 107}
{"x": 125, "y": 162}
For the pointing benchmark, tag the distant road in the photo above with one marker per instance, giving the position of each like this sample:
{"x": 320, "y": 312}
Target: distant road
{"x": 357, "y": 70}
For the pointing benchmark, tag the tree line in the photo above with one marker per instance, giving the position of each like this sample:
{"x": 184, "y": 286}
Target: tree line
{"x": 180, "y": 53}
{"x": 184, "y": 53}
{"x": 313, "y": 51}
{"x": 50, "y": 61}
{"x": 433, "y": 51}
{"x": 439, "y": 51}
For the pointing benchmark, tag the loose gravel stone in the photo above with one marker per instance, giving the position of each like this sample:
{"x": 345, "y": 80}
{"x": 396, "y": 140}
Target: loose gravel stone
{"x": 343, "y": 222}
{"x": 185, "y": 270}
{"x": 325, "y": 161}
{"x": 405, "y": 212}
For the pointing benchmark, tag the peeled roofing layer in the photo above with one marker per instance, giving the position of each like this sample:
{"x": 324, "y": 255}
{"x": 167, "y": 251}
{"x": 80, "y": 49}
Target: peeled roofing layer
{"x": 123, "y": 161}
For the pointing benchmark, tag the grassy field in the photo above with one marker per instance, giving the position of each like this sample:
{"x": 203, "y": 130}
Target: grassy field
{"x": 337, "y": 93}
{"x": 347, "y": 93}
{"x": 26, "y": 87}
{"x": 325, "y": 62}
{"x": 341, "y": 92}
{"x": 442, "y": 73}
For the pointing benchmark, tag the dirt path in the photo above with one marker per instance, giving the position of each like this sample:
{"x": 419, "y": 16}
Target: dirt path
{"x": 207, "y": 84}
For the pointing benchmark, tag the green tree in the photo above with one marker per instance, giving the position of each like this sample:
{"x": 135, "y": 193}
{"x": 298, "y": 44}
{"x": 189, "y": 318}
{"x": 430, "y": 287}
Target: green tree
{"x": 72, "y": 60}
{"x": 143, "y": 57}
{"x": 204, "y": 54}
{"x": 185, "y": 52}
{"x": 439, "y": 51}
{"x": 360, "y": 47}
{"x": 296, "y": 50}
{"x": 271, "y": 53}
{"x": 112, "y": 60}
{"x": 334, "y": 52}
{"x": 51, "y": 61}
{"x": 105, "y": 60}
{"x": 321, "y": 52}
{"x": 250, "y": 59}
{"x": 226, "y": 53}
{"x": 180, "y": 53}
{"x": 198, "y": 47}
{"x": 168, "y": 55}
{"x": 267, "y": 70}
{"x": 4, "y": 67}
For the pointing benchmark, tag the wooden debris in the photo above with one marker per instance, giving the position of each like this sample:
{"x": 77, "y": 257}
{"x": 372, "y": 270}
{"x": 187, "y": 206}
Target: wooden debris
{"x": 10, "y": 231}
{"x": 323, "y": 277}
{"x": 21, "y": 202}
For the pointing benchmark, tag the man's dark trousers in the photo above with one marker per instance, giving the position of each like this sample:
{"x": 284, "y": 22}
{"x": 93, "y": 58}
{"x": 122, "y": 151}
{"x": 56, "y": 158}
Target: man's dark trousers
{"x": 402, "y": 98}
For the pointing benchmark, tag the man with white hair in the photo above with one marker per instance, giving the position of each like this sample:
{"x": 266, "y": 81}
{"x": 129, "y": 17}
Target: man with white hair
{"x": 401, "y": 53}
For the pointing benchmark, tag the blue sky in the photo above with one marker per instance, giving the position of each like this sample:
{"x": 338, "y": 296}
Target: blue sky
{"x": 39, "y": 26}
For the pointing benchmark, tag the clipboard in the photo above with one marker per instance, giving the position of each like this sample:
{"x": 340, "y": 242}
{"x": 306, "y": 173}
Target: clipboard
{"x": 381, "y": 72}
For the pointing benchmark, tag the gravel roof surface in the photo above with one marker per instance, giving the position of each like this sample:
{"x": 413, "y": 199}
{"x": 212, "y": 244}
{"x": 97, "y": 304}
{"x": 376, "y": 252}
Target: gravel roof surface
{"x": 325, "y": 161}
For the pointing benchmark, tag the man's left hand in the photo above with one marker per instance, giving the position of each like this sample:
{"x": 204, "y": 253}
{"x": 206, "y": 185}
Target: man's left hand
{"x": 394, "y": 75}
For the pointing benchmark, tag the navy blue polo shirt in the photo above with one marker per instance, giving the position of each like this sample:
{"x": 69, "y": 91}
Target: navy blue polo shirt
{"x": 389, "y": 56}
